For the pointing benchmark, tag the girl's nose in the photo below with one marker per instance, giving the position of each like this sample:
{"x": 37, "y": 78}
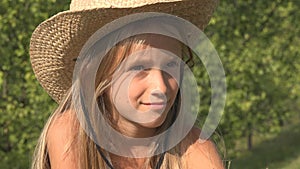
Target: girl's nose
{"x": 159, "y": 80}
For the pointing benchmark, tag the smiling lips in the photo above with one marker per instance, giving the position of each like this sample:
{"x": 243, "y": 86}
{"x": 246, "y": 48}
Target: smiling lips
{"x": 156, "y": 105}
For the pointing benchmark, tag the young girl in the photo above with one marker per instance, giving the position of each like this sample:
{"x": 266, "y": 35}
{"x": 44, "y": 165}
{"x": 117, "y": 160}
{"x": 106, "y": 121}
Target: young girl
{"x": 121, "y": 97}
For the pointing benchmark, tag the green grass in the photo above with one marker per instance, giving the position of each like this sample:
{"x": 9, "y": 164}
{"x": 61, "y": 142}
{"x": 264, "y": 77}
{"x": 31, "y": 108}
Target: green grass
{"x": 294, "y": 164}
{"x": 280, "y": 152}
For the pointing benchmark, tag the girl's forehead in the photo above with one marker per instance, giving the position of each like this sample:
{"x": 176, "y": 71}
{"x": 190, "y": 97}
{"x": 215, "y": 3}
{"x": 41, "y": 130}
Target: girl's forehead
{"x": 160, "y": 42}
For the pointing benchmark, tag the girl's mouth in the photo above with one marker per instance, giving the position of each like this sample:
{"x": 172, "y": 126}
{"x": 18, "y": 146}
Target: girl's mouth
{"x": 155, "y": 105}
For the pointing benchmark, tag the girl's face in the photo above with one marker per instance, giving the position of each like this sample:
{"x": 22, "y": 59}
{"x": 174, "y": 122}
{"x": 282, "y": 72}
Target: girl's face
{"x": 146, "y": 84}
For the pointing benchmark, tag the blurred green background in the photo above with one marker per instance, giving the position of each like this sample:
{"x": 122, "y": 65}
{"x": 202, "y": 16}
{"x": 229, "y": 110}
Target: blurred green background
{"x": 258, "y": 43}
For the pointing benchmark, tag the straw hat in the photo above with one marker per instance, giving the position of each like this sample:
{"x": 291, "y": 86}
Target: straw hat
{"x": 57, "y": 42}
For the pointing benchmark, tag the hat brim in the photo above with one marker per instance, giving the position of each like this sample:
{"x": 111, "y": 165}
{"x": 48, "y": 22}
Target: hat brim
{"x": 57, "y": 42}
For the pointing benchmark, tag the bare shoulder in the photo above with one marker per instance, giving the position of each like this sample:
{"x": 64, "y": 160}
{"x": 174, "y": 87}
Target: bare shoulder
{"x": 59, "y": 140}
{"x": 201, "y": 154}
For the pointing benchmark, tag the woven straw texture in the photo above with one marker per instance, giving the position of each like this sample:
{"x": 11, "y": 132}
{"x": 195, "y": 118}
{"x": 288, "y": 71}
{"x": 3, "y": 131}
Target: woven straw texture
{"x": 56, "y": 42}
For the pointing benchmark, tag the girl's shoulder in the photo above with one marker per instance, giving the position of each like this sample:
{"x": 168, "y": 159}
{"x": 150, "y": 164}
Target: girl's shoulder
{"x": 60, "y": 137}
{"x": 199, "y": 153}
{"x": 62, "y": 124}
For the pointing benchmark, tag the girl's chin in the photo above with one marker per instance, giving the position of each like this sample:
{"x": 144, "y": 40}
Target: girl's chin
{"x": 154, "y": 124}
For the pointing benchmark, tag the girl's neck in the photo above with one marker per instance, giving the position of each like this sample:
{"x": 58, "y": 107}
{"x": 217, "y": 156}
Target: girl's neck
{"x": 133, "y": 129}
{"x": 120, "y": 162}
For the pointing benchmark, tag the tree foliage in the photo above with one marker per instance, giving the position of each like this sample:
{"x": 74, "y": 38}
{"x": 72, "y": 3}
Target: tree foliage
{"x": 258, "y": 43}
{"x": 24, "y": 106}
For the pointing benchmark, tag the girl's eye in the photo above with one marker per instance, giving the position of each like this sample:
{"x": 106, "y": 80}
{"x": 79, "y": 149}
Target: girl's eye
{"x": 172, "y": 64}
{"x": 137, "y": 68}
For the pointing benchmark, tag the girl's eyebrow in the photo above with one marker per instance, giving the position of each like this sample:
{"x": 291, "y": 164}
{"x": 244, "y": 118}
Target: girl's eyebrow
{"x": 137, "y": 59}
{"x": 149, "y": 60}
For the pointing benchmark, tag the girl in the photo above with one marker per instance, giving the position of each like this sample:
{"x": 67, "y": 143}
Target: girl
{"x": 136, "y": 91}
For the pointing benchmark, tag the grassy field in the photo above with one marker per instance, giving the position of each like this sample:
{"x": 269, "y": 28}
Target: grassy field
{"x": 280, "y": 152}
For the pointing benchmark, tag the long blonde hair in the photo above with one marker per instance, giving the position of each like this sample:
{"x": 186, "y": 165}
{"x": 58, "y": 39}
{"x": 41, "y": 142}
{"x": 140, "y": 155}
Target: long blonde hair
{"x": 88, "y": 155}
